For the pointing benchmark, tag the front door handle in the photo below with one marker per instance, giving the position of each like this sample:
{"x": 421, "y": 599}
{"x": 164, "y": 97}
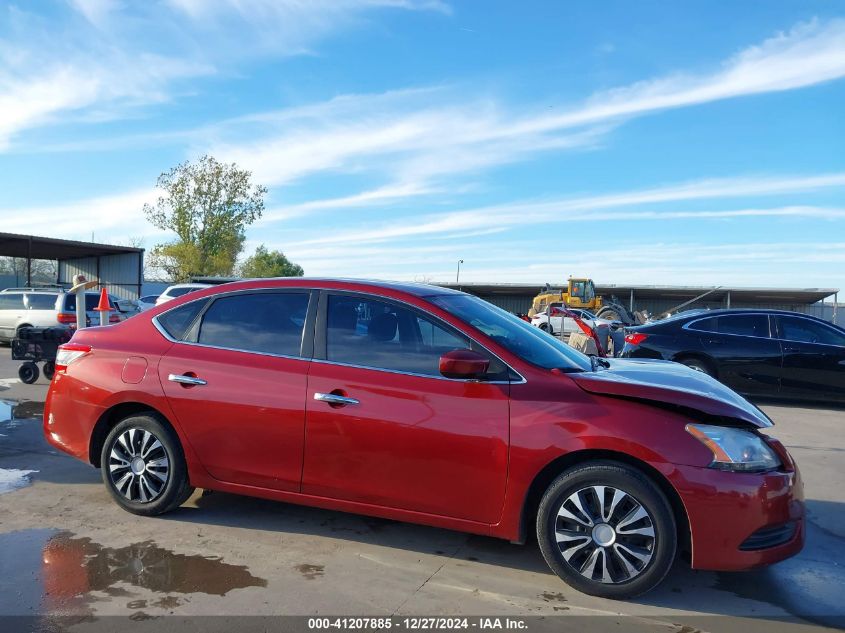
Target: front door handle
{"x": 184, "y": 379}
{"x": 335, "y": 399}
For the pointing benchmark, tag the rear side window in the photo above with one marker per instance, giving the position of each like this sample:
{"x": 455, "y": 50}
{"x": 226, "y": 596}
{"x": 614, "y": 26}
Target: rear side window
{"x": 267, "y": 322}
{"x": 11, "y": 301}
{"x": 91, "y": 301}
{"x": 41, "y": 302}
{"x": 176, "y": 322}
{"x": 744, "y": 325}
{"x": 738, "y": 324}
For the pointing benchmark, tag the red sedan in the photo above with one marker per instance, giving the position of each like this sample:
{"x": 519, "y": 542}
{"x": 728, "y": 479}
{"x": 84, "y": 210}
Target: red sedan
{"x": 427, "y": 405}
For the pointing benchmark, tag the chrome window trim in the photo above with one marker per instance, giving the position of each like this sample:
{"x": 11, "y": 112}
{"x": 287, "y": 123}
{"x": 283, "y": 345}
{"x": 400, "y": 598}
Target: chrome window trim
{"x": 308, "y": 290}
{"x": 772, "y": 329}
{"x": 687, "y": 326}
{"x": 210, "y": 299}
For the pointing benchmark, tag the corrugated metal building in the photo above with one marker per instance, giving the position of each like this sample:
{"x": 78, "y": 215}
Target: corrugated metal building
{"x": 659, "y": 299}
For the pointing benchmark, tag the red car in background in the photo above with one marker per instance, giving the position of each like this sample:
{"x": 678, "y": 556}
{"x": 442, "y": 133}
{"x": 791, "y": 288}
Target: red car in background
{"x": 427, "y": 405}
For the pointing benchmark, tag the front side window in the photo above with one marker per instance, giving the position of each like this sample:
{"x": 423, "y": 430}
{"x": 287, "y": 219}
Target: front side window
{"x": 515, "y": 335}
{"x": 266, "y": 322}
{"x": 381, "y": 335}
{"x": 807, "y": 331}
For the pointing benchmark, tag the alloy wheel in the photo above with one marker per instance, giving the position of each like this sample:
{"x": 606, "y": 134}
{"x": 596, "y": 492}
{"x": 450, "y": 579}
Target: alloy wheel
{"x": 138, "y": 465}
{"x": 605, "y": 534}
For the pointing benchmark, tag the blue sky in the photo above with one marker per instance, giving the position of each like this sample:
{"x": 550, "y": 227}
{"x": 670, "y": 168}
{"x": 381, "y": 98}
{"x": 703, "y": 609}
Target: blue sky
{"x": 656, "y": 143}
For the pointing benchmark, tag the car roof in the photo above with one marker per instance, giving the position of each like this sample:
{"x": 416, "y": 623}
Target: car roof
{"x": 706, "y": 314}
{"x": 409, "y": 287}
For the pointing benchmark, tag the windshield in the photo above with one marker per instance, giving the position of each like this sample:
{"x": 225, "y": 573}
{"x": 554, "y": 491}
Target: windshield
{"x": 526, "y": 341}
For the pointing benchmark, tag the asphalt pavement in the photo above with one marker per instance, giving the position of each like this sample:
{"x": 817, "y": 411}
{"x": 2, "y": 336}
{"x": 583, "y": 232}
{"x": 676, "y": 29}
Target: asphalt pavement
{"x": 70, "y": 559}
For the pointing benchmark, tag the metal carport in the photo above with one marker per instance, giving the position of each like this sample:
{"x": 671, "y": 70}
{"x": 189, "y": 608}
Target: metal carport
{"x": 120, "y": 269}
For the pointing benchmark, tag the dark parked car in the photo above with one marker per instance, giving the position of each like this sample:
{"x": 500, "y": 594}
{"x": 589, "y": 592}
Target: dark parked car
{"x": 754, "y": 352}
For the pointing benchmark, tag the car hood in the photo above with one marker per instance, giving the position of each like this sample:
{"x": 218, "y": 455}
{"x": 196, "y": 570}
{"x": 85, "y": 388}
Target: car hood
{"x": 672, "y": 383}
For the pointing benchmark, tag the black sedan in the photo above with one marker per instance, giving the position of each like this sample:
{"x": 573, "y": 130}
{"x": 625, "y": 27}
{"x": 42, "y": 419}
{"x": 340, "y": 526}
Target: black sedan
{"x": 755, "y": 352}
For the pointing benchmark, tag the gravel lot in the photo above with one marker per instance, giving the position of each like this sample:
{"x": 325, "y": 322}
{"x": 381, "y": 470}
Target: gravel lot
{"x": 71, "y": 557}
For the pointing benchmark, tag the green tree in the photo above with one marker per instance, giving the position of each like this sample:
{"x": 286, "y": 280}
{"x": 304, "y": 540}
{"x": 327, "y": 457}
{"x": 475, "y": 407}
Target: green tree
{"x": 266, "y": 263}
{"x": 208, "y": 205}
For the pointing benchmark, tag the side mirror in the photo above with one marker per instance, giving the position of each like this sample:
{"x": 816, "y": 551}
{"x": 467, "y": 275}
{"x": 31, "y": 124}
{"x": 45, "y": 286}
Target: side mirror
{"x": 463, "y": 363}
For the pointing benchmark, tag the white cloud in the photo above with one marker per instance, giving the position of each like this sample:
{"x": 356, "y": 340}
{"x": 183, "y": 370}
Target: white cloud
{"x": 774, "y": 263}
{"x": 585, "y": 208}
{"x": 419, "y": 138}
{"x": 117, "y": 55}
{"x": 109, "y": 217}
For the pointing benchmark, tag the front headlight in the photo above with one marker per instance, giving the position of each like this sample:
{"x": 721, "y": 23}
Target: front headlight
{"x": 735, "y": 449}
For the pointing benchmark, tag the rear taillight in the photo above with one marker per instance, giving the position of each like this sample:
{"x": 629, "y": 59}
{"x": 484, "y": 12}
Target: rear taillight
{"x": 114, "y": 319}
{"x": 66, "y": 317}
{"x": 68, "y": 353}
{"x": 635, "y": 338}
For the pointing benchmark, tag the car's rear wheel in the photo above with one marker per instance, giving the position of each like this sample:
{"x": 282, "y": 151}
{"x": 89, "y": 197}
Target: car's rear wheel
{"x": 697, "y": 364}
{"x": 607, "y": 530}
{"x": 144, "y": 467}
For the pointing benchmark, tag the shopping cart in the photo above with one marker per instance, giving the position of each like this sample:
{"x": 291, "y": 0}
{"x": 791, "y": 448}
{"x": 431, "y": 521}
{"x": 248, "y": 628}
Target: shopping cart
{"x": 36, "y": 345}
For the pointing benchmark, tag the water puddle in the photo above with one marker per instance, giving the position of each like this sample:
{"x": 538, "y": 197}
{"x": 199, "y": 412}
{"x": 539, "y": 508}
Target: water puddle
{"x": 58, "y": 572}
{"x": 12, "y": 479}
{"x": 12, "y": 411}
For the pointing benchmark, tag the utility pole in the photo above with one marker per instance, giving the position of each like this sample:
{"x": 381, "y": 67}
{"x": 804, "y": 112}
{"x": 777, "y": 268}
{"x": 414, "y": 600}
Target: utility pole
{"x": 458, "y": 276}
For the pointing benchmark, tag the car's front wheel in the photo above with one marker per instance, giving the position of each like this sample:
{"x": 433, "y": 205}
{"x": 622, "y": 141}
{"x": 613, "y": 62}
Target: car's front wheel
{"x": 607, "y": 530}
{"x": 143, "y": 466}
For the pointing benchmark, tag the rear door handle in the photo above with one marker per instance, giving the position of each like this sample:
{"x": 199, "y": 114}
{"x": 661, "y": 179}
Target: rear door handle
{"x": 187, "y": 380}
{"x": 333, "y": 398}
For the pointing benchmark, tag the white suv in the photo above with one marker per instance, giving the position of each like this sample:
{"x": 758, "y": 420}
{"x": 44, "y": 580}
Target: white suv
{"x": 177, "y": 290}
{"x": 47, "y": 307}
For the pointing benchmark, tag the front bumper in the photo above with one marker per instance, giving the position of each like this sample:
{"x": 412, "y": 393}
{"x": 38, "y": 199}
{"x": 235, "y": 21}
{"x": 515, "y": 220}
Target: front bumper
{"x": 740, "y": 521}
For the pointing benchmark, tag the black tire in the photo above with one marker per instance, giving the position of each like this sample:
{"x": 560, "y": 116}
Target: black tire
{"x": 698, "y": 365}
{"x": 28, "y": 372}
{"x": 610, "y": 315}
{"x": 49, "y": 370}
{"x": 544, "y": 327}
{"x": 129, "y": 438}
{"x": 623, "y": 547}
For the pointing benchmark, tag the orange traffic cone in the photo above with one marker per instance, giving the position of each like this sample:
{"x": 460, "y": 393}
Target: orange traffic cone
{"x": 103, "y": 307}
